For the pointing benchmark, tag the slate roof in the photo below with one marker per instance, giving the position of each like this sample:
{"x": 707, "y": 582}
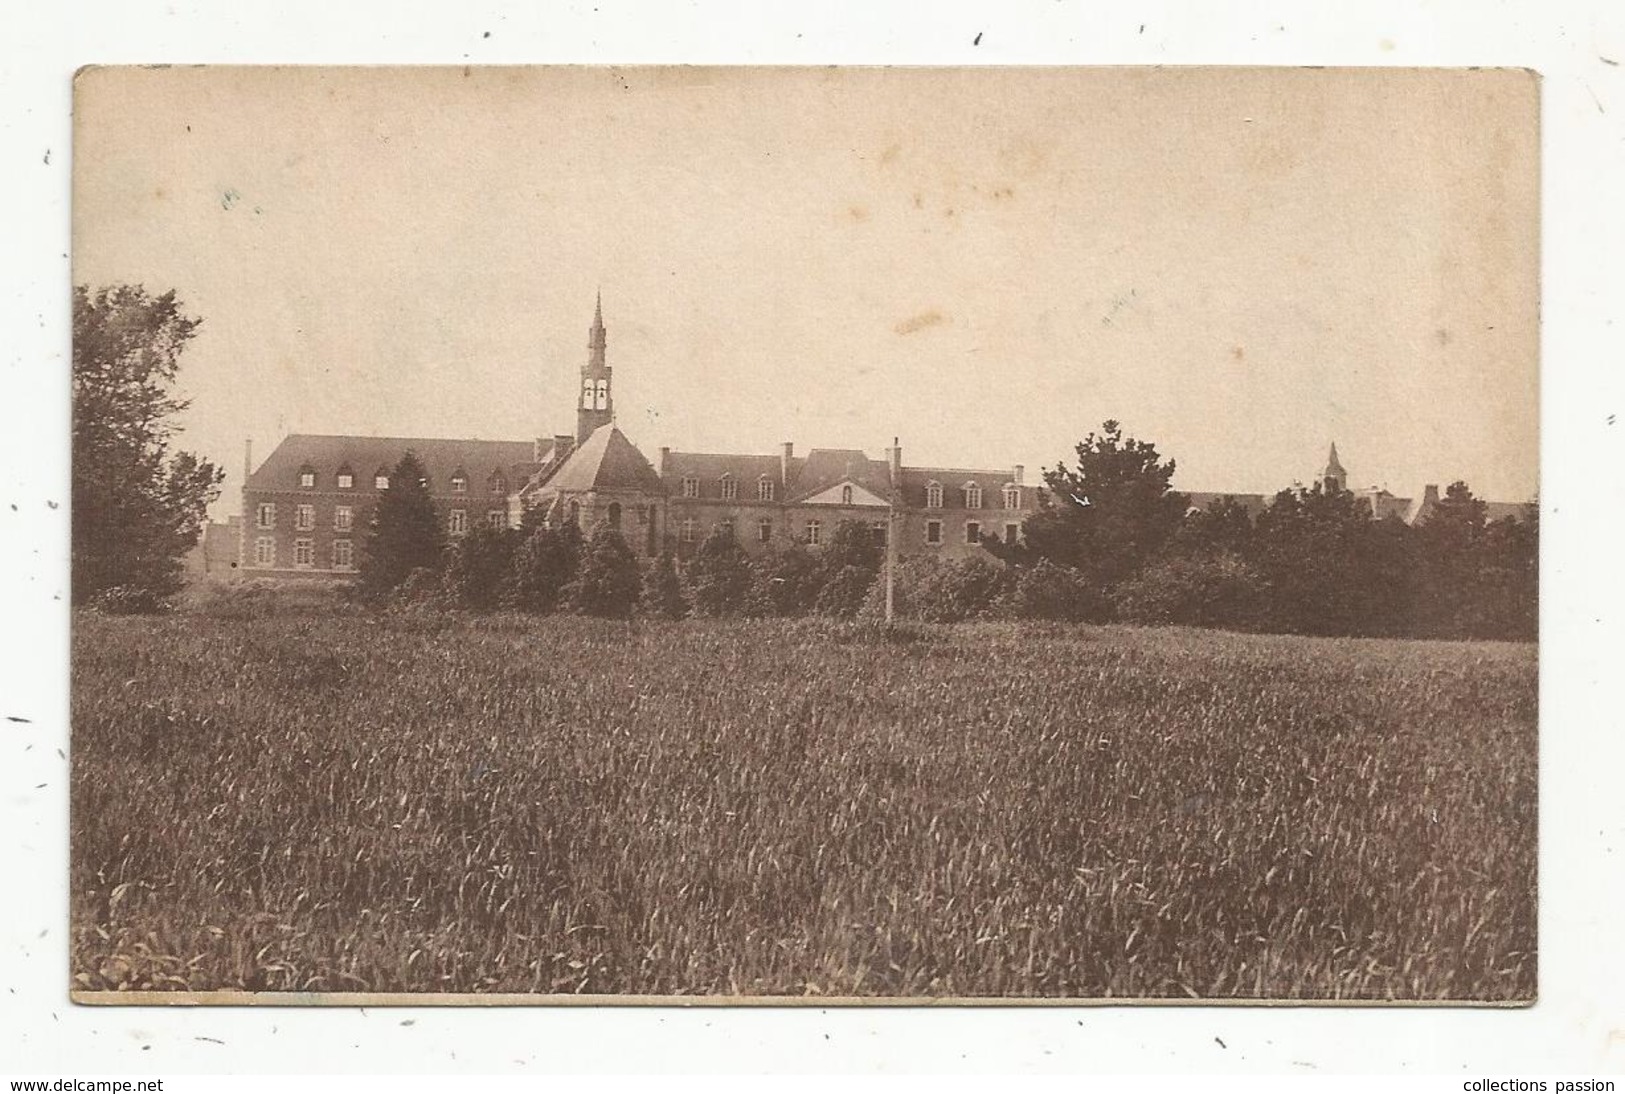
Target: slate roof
{"x": 365, "y": 457}
{"x": 709, "y": 467}
{"x": 916, "y": 481}
{"x": 606, "y": 461}
{"x": 825, "y": 467}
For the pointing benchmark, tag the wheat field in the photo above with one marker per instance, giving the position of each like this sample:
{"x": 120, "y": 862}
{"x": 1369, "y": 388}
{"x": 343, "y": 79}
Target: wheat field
{"x": 789, "y": 808}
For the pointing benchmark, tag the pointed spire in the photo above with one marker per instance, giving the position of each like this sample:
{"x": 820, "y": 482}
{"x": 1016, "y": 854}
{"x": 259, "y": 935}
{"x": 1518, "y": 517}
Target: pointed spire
{"x": 598, "y": 311}
{"x": 1332, "y": 463}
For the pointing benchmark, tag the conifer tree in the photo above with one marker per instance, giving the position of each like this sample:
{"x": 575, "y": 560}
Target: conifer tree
{"x": 607, "y": 582}
{"x": 405, "y": 533}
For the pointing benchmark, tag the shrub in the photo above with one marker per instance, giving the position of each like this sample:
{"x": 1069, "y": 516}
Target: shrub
{"x": 719, "y": 576}
{"x": 1047, "y": 591}
{"x": 1206, "y": 590}
{"x": 783, "y": 583}
{"x": 130, "y": 600}
{"x": 542, "y": 566}
{"x": 607, "y": 582}
{"x": 662, "y": 591}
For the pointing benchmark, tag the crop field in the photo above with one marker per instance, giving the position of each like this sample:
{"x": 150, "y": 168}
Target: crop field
{"x": 560, "y": 805}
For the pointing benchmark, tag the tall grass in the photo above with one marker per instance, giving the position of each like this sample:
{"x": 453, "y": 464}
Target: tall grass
{"x": 564, "y": 805}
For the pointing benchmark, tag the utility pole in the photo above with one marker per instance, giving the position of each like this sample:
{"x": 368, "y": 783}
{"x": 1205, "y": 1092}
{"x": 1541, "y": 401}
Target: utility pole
{"x": 891, "y": 556}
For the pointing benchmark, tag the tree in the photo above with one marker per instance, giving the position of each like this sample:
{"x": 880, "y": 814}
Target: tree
{"x": 783, "y": 583}
{"x": 608, "y": 579}
{"x": 662, "y": 591}
{"x": 719, "y": 575}
{"x": 405, "y": 533}
{"x": 137, "y": 506}
{"x": 478, "y": 566}
{"x": 1110, "y": 513}
{"x": 543, "y": 566}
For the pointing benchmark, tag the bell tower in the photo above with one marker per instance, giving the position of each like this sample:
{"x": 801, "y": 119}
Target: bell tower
{"x": 1334, "y": 477}
{"x": 596, "y": 405}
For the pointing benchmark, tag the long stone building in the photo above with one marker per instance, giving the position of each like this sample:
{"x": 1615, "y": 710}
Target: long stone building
{"x": 306, "y": 508}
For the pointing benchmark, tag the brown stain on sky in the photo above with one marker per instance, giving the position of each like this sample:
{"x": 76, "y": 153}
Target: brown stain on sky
{"x": 932, "y": 318}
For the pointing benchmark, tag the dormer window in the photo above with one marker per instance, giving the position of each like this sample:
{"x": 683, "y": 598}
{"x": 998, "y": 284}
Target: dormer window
{"x": 764, "y": 489}
{"x": 346, "y": 479}
{"x": 459, "y": 482}
{"x": 933, "y": 495}
{"x": 307, "y": 476}
{"x": 1012, "y": 496}
{"x": 730, "y": 488}
{"x": 499, "y": 484}
{"x": 973, "y": 495}
{"x": 846, "y": 495}
{"x": 691, "y": 486}
{"x": 380, "y": 481}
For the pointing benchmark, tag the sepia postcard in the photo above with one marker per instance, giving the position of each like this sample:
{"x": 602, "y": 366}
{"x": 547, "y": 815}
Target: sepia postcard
{"x": 791, "y": 535}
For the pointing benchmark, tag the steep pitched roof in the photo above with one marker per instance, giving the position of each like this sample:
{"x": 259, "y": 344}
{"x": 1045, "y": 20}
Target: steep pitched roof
{"x": 827, "y": 467}
{"x": 605, "y": 461}
{"x": 328, "y": 454}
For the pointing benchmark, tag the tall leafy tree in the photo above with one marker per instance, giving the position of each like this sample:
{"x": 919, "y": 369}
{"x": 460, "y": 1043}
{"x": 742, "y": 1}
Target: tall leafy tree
{"x": 543, "y": 565}
{"x": 478, "y": 566}
{"x": 608, "y": 580}
{"x": 138, "y": 507}
{"x": 662, "y": 590}
{"x": 405, "y": 533}
{"x": 719, "y": 575}
{"x": 1109, "y": 513}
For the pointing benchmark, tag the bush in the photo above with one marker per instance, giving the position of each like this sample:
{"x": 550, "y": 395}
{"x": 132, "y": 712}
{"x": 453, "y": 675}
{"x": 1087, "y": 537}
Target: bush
{"x": 607, "y": 582}
{"x": 1207, "y": 590}
{"x": 719, "y": 576}
{"x": 844, "y": 592}
{"x": 130, "y": 600}
{"x": 542, "y": 567}
{"x": 783, "y": 583}
{"x": 1047, "y": 591}
{"x": 662, "y": 591}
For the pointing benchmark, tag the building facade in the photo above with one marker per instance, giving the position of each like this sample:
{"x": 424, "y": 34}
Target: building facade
{"x": 307, "y": 508}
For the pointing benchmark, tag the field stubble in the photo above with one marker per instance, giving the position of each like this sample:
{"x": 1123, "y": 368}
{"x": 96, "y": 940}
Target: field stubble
{"x": 558, "y": 805}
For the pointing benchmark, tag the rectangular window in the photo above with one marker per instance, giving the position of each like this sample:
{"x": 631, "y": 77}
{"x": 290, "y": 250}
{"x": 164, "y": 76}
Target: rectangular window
{"x": 497, "y": 519}
{"x": 1011, "y": 533}
{"x": 265, "y": 515}
{"x": 304, "y": 553}
{"x": 265, "y": 551}
{"x": 815, "y": 532}
{"x": 343, "y": 554}
{"x": 343, "y": 518}
{"x": 933, "y": 496}
{"x": 730, "y": 489}
{"x": 933, "y": 531}
{"x": 380, "y": 482}
{"x": 346, "y": 480}
{"x": 764, "y": 531}
{"x": 459, "y": 521}
{"x": 973, "y": 531}
{"x": 764, "y": 489}
{"x": 691, "y": 487}
{"x": 690, "y": 529}
{"x": 307, "y": 478}
{"x": 459, "y": 484}
{"x": 304, "y": 517}
{"x": 973, "y": 496}
{"x": 1012, "y": 497}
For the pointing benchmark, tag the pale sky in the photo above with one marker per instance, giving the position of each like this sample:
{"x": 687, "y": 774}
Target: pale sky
{"x": 1241, "y": 265}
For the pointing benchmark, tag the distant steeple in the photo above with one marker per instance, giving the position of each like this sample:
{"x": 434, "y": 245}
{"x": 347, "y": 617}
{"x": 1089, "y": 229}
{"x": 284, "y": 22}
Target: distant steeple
{"x": 1334, "y": 475}
{"x": 597, "y": 405}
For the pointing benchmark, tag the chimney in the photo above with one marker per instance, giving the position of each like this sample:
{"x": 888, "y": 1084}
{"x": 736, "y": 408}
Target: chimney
{"x": 1430, "y": 494}
{"x": 665, "y": 454}
{"x": 788, "y": 453}
{"x": 894, "y": 462}
{"x": 1016, "y": 474}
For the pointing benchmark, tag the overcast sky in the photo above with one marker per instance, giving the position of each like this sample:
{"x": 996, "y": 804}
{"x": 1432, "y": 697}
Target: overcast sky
{"x": 1240, "y": 265}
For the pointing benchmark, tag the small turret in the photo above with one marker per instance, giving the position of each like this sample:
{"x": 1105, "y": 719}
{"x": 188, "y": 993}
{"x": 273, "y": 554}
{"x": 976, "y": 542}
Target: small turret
{"x": 1334, "y": 477}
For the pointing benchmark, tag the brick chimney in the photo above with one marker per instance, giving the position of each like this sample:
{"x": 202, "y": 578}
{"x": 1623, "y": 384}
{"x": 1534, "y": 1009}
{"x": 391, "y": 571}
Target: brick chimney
{"x": 787, "y": 453}
{"x": 665, "y": 454}
{"x": 1016, "y": 474}
{"x": 894, "y": 462}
